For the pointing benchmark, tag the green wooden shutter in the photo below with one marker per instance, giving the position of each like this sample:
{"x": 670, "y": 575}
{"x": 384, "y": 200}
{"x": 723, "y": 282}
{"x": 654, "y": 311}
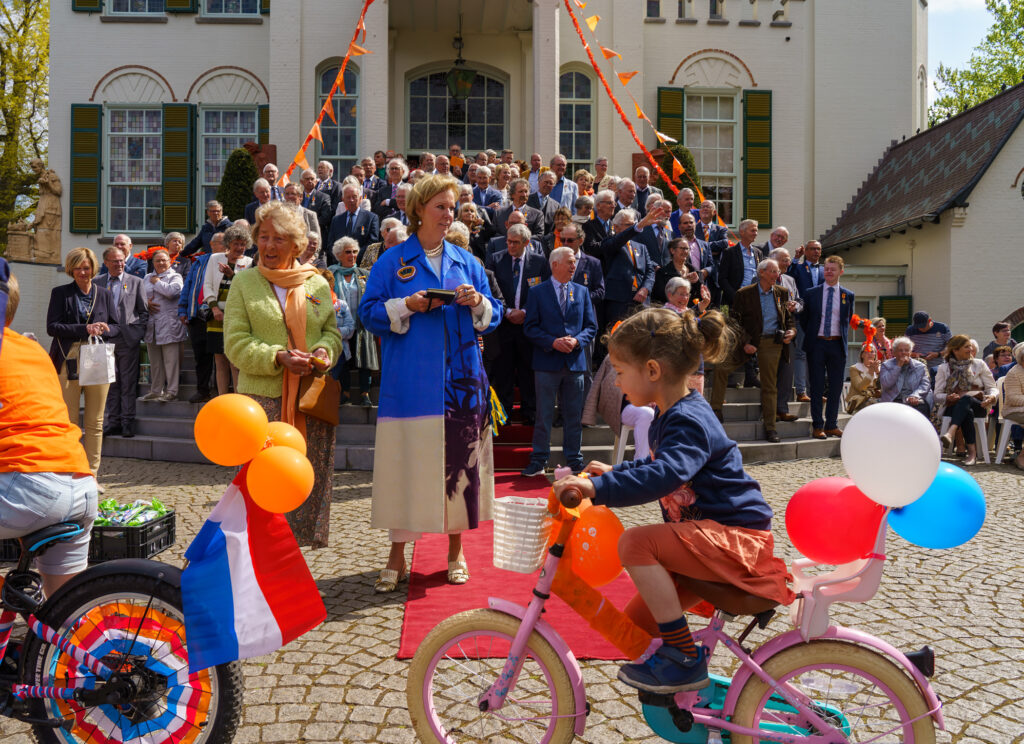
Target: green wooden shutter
{"x": 671, "y": 112}
{"x": 898, "y": 311}
{"x": 757, "y": 156}
{"x": 263, "y": 124}
{"x": 86, "y": 167}
{"x": 179, "y": 167}
{"x": 181, "y": 6}
{"x": 87, "y": 6}
{"x": 264, "y": 6}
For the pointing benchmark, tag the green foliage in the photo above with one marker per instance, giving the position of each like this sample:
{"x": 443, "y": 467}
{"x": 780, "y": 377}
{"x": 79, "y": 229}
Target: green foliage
{"x": 996, "y": 63}
{"x": 24, "y": 100}
{"x": 690, "y": 179}
{"x": 235, "y": 190}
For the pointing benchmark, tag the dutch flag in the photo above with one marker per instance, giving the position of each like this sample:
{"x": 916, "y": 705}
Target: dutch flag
{"x": 247, "y": 590}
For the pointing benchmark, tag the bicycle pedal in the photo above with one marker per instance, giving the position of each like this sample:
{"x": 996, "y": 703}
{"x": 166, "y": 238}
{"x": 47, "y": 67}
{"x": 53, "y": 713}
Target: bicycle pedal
{"x": 657, "y": 699}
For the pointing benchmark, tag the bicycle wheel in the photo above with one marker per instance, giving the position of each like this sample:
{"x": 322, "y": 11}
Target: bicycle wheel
{"x": 860, "y": 690}
{"x": 461, "y": 658}
{"x": 136, "y": 625}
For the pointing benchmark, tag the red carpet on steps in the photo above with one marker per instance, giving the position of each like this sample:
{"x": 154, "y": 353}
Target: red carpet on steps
{"x": 432, "y": 599}
{"x": 512, "y": 447}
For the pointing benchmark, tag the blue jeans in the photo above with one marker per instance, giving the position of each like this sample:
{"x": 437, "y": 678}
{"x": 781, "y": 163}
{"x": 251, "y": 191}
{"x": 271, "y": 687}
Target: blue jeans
{"x": 568, "y": 386}
{"x": 31, "y": 501}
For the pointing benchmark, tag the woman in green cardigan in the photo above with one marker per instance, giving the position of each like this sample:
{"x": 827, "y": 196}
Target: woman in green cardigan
{"x": 279, "y": 325}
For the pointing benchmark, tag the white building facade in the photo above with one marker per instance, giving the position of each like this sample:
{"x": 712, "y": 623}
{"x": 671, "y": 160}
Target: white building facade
{"x": 785, "y": 104}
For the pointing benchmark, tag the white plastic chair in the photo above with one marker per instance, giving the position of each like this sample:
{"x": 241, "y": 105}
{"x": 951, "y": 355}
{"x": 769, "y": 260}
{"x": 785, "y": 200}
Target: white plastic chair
{"x": 982, "y": 435}
{"x": 842, "y": 396}
{"x": 620, "y": 443}
{"x": 1005, "y": 425}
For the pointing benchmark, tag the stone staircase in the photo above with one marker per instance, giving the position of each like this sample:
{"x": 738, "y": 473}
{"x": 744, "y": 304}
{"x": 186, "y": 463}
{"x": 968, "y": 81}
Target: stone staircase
{"x": 164, "y": 432}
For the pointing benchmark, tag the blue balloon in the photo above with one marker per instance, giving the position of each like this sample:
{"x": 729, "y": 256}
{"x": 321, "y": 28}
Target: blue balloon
{"x": 948, "y": 514}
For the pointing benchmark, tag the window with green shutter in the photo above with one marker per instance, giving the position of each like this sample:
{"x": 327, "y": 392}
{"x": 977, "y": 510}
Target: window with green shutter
{"x": 263, "y": 124}
{"x": 87, "y": 6}
{"x": 179, "y": 167}
{"x": 86, "y": 167}
{"x": 671, "y": 115}
{"x": 264, "y": 6}
{"x": 757, "y": 156}
{"x": 898, "y": 311}
{"x": 181, "y": 6}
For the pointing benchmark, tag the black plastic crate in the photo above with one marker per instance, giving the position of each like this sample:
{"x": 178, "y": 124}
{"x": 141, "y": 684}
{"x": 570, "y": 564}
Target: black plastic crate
{"x": 141, "y": 541}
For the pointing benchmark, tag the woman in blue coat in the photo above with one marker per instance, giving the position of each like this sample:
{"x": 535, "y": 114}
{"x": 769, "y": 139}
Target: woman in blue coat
{"x": 433, "y": 468}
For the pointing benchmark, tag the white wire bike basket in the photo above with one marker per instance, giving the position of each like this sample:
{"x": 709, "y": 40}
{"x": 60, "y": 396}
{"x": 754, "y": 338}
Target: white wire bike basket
{"x": 521, "y": 529}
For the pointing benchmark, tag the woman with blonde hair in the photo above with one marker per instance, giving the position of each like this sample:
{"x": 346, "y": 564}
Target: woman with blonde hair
{"x": 864, "y": 380}
{"x": 77, "y": 311}
{"x": 279, "y": 326}
{"x": 964, "y": 390}
{"x": 427, "y": 300}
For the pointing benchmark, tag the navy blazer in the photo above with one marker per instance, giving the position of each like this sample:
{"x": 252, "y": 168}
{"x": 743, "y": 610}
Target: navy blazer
{"x": 500, "y": 243}
{"x": 547, "y": 206}
{"x": 133, "y": 314}
{"x": 673, "y": 220}
{"x": 810, "y": 318}
{"x": 366, "y": 230}
{"x": 717, "y": 237}
{"x": 802, "y": 275}
{"x": 625, "y": 260}
{"x": 535, "y": 271}
{"x": 201, "y": 242}
{"x": 730, "y": 270}
{"x": 250, "y": 211}
{"x": 62, "y": 319}
{"x": 534, "y": 220}
{"x": 656, "y": 249}
{"x": 319, "y": 202}
{"x": 485, "y": 198}
{"x": 544, "y": 323}
{"x": 590, "y": 275}
{"x": 593, "y": 235}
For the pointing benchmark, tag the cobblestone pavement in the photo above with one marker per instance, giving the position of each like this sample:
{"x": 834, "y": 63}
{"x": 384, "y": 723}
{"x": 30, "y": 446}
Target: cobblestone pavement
{"x": 341, "y": 682}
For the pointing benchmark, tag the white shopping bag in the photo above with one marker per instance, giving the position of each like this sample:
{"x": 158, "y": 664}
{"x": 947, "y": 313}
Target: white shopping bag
{"x": 96, "y": 365}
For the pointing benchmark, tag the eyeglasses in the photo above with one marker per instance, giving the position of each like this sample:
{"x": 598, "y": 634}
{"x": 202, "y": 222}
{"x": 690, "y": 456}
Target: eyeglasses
{"x": 570, "y": 240}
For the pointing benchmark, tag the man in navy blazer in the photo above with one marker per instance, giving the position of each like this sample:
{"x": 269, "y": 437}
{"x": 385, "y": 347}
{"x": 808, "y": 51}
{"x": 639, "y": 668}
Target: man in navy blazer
{"x": 519, "y": 193}
{"x": 353, "y": 222}
{"x": 261, "y": 189}
{"x": 483, "y": 193}
{"x": 628, "y": 269}
{"x": 539, "y": 199}
{"x": 656, "y": 237}
{"x": 560, "y": 324}
{"x": 807, "y": 273}
{"x": 517, "y": 271}
{"x": 684, "y": 199}
{"x": 826, "y": 322}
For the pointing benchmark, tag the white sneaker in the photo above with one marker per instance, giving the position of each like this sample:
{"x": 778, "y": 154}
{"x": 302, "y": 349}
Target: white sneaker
{"x": 151, "y": 396}
{"x": 168, "y": 397}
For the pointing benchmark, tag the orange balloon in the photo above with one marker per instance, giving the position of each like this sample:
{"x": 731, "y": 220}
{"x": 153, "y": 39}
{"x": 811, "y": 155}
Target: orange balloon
{"x": 282, "y": 434}
{"x": 594, "y": 546}
{"x": 231, "y": 429}
{"x": 279, "y": 479}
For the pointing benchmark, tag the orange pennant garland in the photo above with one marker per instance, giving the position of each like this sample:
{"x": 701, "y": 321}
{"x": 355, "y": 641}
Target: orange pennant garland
{"x": 316, "y": 134}
{"x": 355, "y": 50}
{"x": 609, "y": 53}
{"x": 625, "y": 77}
{"x": 662, "y": 137}
{"x": 329, "y": 110}
{"x": 580, "y": 4}
{"x": 677, "y": 169}
{"x": 300, "y": 159}
{"x": 592, "y": 23}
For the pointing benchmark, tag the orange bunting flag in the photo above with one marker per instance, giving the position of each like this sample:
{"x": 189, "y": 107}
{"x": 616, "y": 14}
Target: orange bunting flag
{"x": 662, "y": 137}
{"x": 355, "y": 50}
{"x": 677, "y": 169}
{"x": 592, "y": 22}
{"x": 640, "y": 112}
{"x": 329, "y": 109}
{"x": 579, "y": 4}
{"x": 300, "y": 159}
{"x": 362, "y": 28}
{"x": 625, "y": 77}
{"x": 283, "y": 181}
{"x": 315, "y": 133}
{"x": 609, "y": 53}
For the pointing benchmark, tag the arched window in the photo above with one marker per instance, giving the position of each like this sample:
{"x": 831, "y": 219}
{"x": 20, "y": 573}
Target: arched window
{"x": 576, "y": 121}
{"x": 339, "y": 147}
{"x": 436, "y": 119}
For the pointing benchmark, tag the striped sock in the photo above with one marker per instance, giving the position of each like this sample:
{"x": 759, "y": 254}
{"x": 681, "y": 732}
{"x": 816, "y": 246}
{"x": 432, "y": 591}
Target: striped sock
{"x": 677, "y": 635}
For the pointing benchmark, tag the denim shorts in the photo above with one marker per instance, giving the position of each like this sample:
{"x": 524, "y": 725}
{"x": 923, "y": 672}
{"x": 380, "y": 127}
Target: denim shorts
{"x": 31, "y": 501}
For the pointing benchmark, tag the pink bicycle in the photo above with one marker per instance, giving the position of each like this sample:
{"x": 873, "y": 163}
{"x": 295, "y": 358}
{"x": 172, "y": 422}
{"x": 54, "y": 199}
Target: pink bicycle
{"x": 504, "y": 675}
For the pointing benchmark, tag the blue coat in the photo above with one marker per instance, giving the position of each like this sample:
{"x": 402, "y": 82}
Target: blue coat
{"x": 544, "y": 323}
{"x": 810, "y": 318}
{"x": 485, "y": 198}
{"x": 188, "y": 300}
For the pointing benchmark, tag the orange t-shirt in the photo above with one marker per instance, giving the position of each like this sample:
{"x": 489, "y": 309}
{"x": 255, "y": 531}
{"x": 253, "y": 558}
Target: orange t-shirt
{"x": 35, "y": 433}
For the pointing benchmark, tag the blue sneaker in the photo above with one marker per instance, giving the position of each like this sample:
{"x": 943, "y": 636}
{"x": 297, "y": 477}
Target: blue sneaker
{"x": 532, "y": 469}
{"x": 668, "y": 670}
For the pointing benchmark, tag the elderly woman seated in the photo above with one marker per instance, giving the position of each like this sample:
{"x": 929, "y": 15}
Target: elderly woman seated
{"x": 864, "y": 387}
{"x": 905, "y": 380}
{"x": 964, "y": 390}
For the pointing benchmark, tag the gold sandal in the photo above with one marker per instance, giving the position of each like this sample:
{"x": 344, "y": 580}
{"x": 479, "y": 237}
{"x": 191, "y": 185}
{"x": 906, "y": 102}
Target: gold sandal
{"x": 389, "y": 580}
{"x": 458, "y": 572}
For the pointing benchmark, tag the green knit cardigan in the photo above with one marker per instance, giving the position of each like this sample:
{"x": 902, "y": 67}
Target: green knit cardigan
{"x": 254, "y": 330}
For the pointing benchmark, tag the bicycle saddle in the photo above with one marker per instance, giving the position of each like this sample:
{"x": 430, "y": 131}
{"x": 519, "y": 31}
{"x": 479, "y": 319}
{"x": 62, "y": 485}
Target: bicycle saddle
{"x": 36, "y": 542}
{"x": 729, "y": 598}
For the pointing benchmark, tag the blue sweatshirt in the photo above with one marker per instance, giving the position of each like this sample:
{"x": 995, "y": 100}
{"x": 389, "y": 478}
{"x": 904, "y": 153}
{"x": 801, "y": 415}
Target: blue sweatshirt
{"x": 689, "y": 448}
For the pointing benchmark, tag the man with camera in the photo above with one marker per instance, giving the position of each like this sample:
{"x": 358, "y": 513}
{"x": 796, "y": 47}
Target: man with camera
{"x": 765, "y": 327}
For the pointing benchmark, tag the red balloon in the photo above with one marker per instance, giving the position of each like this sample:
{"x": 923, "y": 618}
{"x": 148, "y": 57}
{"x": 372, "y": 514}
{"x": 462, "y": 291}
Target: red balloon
{"x": 593, "y": 549}
{"x": 829, "y": 520}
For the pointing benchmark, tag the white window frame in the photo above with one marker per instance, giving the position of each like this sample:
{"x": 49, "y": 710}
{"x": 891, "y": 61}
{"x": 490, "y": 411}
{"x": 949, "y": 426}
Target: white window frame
{"x": 467, "y": 151}
{"x": 108, "y": 186}
{"x": 108, "y": 8}
{"x": 575, "y": 163}
{"x": 737, "y": 144}
{"x": 320, "y": 97}
{"x": 201, "y": 145}
{"x": 207, "y": 13}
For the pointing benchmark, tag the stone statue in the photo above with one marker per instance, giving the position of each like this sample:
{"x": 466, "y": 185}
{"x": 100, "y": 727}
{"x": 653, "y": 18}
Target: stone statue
{"x": 48, "y": 214}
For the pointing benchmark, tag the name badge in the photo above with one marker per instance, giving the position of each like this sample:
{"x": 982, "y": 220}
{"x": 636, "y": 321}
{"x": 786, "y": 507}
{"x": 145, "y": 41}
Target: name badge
{"x": 406, "y": 273}
{"x": 533, "y": 281}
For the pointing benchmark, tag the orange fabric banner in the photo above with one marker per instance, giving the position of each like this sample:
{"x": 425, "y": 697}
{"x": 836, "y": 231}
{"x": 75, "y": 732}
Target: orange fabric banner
{"x": 625, "y": 77}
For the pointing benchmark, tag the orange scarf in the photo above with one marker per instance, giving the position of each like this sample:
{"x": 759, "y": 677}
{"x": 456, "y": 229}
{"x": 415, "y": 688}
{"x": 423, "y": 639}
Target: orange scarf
{"x": 293, "y": 280}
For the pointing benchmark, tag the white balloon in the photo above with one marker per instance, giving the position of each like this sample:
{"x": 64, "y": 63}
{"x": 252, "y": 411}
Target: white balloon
{"x": 891, "y": 452}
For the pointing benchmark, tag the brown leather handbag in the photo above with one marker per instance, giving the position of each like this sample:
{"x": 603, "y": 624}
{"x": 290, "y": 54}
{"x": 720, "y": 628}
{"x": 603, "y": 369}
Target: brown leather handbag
{"x": 319, "y": 393}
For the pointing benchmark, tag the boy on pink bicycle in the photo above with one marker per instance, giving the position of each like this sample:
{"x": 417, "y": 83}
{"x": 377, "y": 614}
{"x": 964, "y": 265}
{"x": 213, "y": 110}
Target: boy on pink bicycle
{"x": 717, "y": 524}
